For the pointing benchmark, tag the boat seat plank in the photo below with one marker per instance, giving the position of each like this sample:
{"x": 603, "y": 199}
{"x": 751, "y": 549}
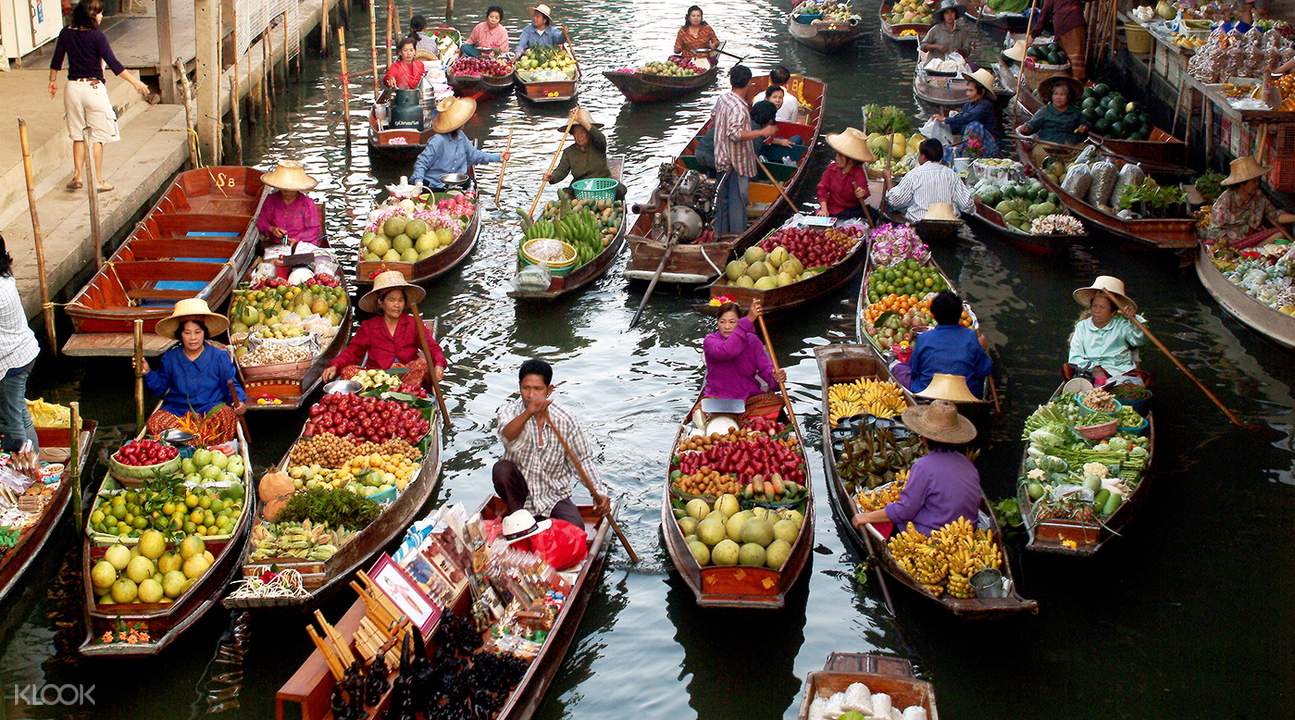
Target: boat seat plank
{"x": 152, "y": 270}
{"x": 187, "y": 223}
{"x": 114, "y": 345}
{"x": 157, "y": 294}
{"x": 196, "y": 248}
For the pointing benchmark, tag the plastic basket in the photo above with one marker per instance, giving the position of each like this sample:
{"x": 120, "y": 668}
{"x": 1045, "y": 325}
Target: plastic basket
{"x": 1137, "y": 39}
{"x": 594, "y": 189}
{"x": 807, "y": 18}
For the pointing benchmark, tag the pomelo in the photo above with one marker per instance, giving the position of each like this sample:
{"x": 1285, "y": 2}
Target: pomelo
{"x": 711, "y": 532}
{"x": 118, "y": 556}
{"x": 139, "y": 569}
{"x": 727, "y": 504}
{"x": 751, "y": 554}
{"x": 152, "y": 544}
{"x": 688, "y": 525}
{"x": 103, "y": 575}
{"x": 150, "y": 591}
{"x": 724, "y": 553}
{"x": 786, "y": 530}
{"x": 697, "y": 509}
{"x": 124, "y": 590}
{"x": 190, "y": 546}
{"x": 700, "y": 552}
{"x": 173, "y": 584}
{"x": 426, "y": 242}
{"x": 394, "y": 226}
{"x": 777, "y": 554}
{"x": 758, "y": 531}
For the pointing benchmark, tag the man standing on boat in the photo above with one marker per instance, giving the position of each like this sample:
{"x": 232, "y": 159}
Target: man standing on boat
{"x": 734, "y": 154}
{"x": 536, "y": 472}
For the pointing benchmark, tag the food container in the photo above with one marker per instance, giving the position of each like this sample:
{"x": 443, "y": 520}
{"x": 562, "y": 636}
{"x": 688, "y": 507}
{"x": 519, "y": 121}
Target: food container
{"x": 1137, "y": 39}
{"x": 560, "y": 259}
{"x": 341, "y": 386}
{"x": 1139, "y": 429}
{"x": 140, "y": 474}
{"x": 1079, "y": 400}
{"x": 594, "y": 189}
{"x": 989, "y": 583}
{"x": 1100, "y": 431}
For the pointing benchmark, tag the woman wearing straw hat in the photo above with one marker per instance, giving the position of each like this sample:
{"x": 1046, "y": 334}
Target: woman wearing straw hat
{"x": 843, "y": 189}
{"x": 1060, "y": 121}
{"x": 390, "y": 338}
{"x": 735, "y": 357}
{"x": 541, "y": 31}
{"x": 449, "y": 151}
{"x": 977, "y": 119}
{"x": 946, "y": 348}
{"x": 1238, "y": 215}
{"x": 1105, "y": 340}
{"x": 289, "y": 215}
{"x": 943, "y": 485}
{"x": 950, "y": 33}
{"x": 194, "y": 378}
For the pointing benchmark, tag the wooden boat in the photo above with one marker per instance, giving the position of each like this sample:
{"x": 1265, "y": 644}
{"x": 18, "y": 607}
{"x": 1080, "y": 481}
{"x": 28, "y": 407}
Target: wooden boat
{"x": 825, "y": 36}
{"x": 1052, "y": 536}
{"x": 1274, "y": 325}
{"x": 1164, "y": 234}
{"x": 699, "y": 263}
{"x": 716, "y": 586}
{"x": 306, "y": 693}
{"x": 196, "y": 241}
{"x": 322, "y": 578}
{"x": 589, "y": 272}
{"x": 550, "y": 91}
{"x": 943, "y": 90}
{"x": 881, "y": 673}
{"x": 1161, "y": 152}
{"x": 426, "y": 270}
{"x": 165, "y": 622}
{"x": 17, "y": 559}
{"x": 398, "y": 144}
{"x": 896, "y": 32}
{"x": 1012, "y": 22}
{"x": 640, "y": 87}
{"x": 1030, "y": 243}
{"x": 479, "y": 85}
{"x": 846, "y": 363}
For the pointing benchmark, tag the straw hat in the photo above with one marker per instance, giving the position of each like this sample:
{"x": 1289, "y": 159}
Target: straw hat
{"x": 1109, "y": 283}
{"x": 941, "y": 211}
{"x": 940, "y": 422}
{"x": 953, "y": 388}
{"x": 522, "y": 524}
{"x": 949, "y": 5}
{"x": 1243, "y": 169}
{"x": 453, "y": 113}
{"x": 583, "y": 118}
{"x": 1045, "y": 88}
{"x": 543, "y": 10}
{"x": 191, "y": 309}
{"x": 289, "y": 175}
{"x": 1016, "y": 51}
{"x": 851, "y": 143}
{"x": 984, "y": 79}
{"x": 385, "y": 281}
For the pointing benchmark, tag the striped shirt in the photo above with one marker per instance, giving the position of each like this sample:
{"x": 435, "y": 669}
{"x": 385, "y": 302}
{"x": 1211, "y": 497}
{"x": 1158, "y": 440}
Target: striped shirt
{"x": 18, "y": 344}
{"x": 930, "y": 182}
{"x": 731, "y": 118}
{"x": 540, "y": 457}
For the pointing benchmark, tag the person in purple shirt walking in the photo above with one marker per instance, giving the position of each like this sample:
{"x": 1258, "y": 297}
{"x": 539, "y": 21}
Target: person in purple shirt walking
{"x": 735, "y": 356}
{"x": 90, "y": 116}
{"x": 943, "y": 485}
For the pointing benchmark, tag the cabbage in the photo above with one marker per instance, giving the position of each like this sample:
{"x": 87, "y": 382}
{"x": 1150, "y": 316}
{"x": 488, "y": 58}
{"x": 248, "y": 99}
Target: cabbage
{"x": 1118, "y": 443}
{"x": 1138, "y": 452}
{"x": 1047, "y": 437}
{"x": 1051, "y": 463}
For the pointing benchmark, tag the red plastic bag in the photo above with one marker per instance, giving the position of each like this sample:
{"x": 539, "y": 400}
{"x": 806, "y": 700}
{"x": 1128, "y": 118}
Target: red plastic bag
{"x": 562, "y": 546}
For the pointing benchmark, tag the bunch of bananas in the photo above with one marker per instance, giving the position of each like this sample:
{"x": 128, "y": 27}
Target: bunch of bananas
{"x": 540, "y": 229}
{"x": 921, "y": 560}
{"x": 882, "y": 398}
{"x": 293, "y": 540}
{"x": 879, "y": 498}
{"x": 581, "y": 230}
{"x": 945, "y": 561}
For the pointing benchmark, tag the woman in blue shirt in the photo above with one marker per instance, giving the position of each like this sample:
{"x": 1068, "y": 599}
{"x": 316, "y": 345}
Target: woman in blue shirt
{"x": 195, "y": 376}
{"x": 449, "y": 150}
{"x": 947, "y": 348}
{"x": 540, "y": 31}
{"x": 976, "y": 119}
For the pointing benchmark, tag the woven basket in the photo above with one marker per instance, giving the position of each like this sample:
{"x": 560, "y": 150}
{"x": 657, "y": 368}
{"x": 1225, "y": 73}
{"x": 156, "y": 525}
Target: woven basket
{"x": 594, "y": 189}
{"x": 1036, "y": 73}
{"x": 284, "y": 371}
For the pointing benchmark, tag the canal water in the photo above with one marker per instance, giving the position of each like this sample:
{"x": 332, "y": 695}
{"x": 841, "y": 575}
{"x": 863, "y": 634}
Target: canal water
{"x": 1186, "y": 617}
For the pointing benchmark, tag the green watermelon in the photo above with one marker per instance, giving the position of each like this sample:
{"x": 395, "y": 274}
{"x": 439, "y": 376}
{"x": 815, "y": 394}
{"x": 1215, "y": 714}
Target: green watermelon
{"x": 1101, "y": 89}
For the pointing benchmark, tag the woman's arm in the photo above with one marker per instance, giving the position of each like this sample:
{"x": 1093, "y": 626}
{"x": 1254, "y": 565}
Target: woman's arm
{"x": 718, "y": 347}
{"x": 355, "y": 350}
{"x": 911, "y": 498}
{"x": 678, "y": 41}
{"x": 157, "y": 379}
{"x": 230, "y": 375}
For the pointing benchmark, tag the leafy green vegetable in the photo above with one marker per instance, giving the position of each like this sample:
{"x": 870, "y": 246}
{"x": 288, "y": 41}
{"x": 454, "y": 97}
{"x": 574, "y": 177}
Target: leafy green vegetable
{"x": 339, "y": 508}
{"x": 1008, "y": 513}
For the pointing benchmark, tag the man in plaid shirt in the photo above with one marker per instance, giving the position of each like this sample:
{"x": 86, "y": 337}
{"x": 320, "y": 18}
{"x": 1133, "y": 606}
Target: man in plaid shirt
{"x": 535, "y": 472}
{"x": 734, "y": 152}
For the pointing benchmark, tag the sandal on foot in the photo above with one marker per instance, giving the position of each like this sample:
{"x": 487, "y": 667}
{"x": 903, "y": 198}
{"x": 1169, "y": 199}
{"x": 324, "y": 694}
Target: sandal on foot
{"x": 73, "y": 185}
{"x": 105, "y": 187}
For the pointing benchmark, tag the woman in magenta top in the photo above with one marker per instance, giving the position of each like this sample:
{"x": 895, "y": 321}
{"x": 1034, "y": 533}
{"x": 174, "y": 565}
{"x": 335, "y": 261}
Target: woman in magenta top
{"x": 735, "y": 356}
{"x": 390, "y": 338}
{"x": 289, "y": 216}
{"x": 489, "y": 35}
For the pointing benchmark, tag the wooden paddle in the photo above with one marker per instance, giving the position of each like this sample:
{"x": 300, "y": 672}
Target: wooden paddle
{"x": 593, "y": 491}
{"x": 786, "y": 399}
{"x": 1029, "y": 25}
{"x": 553, "y": 161}
{"x": 427, "y": 353}
{"x": 777, "y": 185}
{"x": 665, "y": 256}
{"x": 1179, "y": 364}
{"x": 503, "y": 167}
{"x": 139, "y": 374}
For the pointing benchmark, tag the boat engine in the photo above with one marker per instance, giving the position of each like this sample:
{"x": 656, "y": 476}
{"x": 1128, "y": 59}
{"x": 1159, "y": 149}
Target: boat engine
{"x": 690, "y": 199}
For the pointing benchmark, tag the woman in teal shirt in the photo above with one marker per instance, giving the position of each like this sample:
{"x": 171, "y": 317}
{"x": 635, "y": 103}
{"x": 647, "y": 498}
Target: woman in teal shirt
{"x": 1060, "y": 121}
{"x": 1105, "y": 340}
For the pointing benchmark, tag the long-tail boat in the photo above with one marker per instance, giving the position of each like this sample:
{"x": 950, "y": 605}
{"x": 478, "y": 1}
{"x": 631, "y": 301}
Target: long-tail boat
{"x": 550, "y": 91}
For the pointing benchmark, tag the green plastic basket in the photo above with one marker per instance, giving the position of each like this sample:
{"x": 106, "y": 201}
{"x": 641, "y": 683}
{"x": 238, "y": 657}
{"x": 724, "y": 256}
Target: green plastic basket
{"x": 594, "y": 189}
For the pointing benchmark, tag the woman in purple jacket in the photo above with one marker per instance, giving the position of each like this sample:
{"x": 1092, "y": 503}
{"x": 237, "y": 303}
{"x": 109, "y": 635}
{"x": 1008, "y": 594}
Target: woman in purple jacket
{"x": 735, "y": 356}
{"x": 85, "y": 99}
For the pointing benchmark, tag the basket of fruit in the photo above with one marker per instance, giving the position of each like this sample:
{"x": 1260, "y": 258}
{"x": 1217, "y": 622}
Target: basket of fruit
{"x": 595, "y": 189}
{"x": 140, "y": 461}
{"x": 557, "y": 256}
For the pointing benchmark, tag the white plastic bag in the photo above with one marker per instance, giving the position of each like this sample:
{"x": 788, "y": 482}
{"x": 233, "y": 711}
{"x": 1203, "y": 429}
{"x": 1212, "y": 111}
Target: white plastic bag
{"x": 938, "y": 130}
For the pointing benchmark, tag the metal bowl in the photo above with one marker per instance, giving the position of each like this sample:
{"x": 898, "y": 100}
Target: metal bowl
{"x": 455, "y": 180}
{"x": 176, "y": 436}
{"x": 341, "y": 386}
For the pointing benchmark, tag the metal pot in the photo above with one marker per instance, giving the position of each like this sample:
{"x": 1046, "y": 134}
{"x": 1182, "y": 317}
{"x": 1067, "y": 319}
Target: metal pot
{"x": 989, "y": 583}
{"x": 456, "y": 181}
{"x": 341, "y": 386}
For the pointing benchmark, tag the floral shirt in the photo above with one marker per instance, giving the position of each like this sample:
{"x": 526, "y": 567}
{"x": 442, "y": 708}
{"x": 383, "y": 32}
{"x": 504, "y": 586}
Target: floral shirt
{"x": 1232, "y": 219}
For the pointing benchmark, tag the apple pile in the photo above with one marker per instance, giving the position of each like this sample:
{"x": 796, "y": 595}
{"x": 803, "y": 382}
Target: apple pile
{"x": 483, "y": 66}
{"x": 815, "y": 247}
{"x": 366, "y": 418}
{"x": 145, "y": 452}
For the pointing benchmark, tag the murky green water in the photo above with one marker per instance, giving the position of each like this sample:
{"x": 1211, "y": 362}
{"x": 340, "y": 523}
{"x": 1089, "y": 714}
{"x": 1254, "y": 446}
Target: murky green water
{"x": 1187, "y": 617}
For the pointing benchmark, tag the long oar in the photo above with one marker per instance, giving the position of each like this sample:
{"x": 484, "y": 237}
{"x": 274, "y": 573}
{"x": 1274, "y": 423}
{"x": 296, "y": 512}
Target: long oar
{"x": 427, "y": 353}
{"x": 503, "y": 167}
{"x": 786, "y": 399}
{"x": 589, "y": 485}
{"x": 553, "y": 161}
{"x": 669, "y": 245}
{"x": 1174, "y": 358}
{"x": 139, "y": 375}
{"x": 1029, "y": 25}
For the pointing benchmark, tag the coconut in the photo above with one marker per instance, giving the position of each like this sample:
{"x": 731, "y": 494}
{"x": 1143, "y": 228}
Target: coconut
{"x": 735, "y": 269}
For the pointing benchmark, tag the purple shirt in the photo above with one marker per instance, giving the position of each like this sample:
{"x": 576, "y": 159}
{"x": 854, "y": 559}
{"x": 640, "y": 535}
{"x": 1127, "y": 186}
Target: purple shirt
{"x": 86, "y": 51}
{"x": 942, "y": 487}
{"x": 300, "y": 220}
{"x": 732, "y": 363}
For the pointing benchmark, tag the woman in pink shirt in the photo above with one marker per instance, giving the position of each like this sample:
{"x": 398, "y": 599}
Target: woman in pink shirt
{"x": 489, "y": 35}
{"x": 289, "y": 216}
{"x": 735, "y": 356}
{"x": 390, "y": 338}
{"x": 843, "y": 189}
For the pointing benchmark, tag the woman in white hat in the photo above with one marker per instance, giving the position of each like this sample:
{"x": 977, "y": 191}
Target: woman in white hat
{"x": 950, "y": 33}
{"x": 1105, "y": 340}
{"x": 449, "y": 151}
{"x": 977, "y": 119}
{"x": 541, "y": 31}
{"x": 288, "y": 215}
{"x": 194, "y": 377}
{"x": 390, "y": 338}
{"x": 1238, "y": 216}
{"x": 943, "y": 485}
{"x": 843, "y": 189}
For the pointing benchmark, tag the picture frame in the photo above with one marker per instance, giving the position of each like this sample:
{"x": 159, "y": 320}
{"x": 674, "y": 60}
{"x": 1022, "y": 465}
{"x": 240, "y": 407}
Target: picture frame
{"x": 405, "y": 593}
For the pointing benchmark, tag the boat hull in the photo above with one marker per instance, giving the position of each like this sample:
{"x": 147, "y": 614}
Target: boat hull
{"x": 643, "y": 88}
{"x": 425, "y": 271}
{"x": 881, "y": 674}
{"x": 825, "y": 37}
{"x": 1275, "y": 326}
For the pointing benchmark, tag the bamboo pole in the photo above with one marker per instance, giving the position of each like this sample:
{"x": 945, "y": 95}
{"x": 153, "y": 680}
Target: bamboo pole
{"x": 593, "y": 491}
{"x": 269, "y": 61}
{"x": 287, "y": 65}
{"x": 503, "y": 167}
{"x": 553, "y": 161}
{"x": 323, "y": 34}
{"x": 92, "y": 195}
{"x": 37, "y": 240}
{"x": 233, "y": 97}
{"x": 236, "y": 128}
{"x": 215, "y": 115}
{"x": 346, "y": 84}
{"x": 1020, "y": 71}
{"x": 391, "y": 12}
{"x": 139, "y": 374}
{"x": 74, "y": 462}
{"x": 373, "y": 40}
{"x": 449, "y": 12}
{"x": 782, "y": 385}
{"x": 187, "y": 89}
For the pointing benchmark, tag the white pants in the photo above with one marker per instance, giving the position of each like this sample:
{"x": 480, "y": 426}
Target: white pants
{"x": 89, "y": 112}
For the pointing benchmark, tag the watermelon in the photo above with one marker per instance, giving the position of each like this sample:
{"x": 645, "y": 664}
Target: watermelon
{"x": 1101, "y": 89}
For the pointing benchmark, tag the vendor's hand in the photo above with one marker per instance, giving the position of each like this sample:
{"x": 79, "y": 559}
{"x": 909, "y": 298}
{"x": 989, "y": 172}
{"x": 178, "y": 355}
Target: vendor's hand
{"x": 938, "y": 117}
{"x": 53, "y": 89}
{"x": 538, "y": 408}
{"x": 1023, "y": 129}
{"x": 860, "y": 192}
{"x": 145, "y": 369}
{"x": 781, "y": 141}
{"x": 438, "y": 373}
{"x": 142, "y": 89}
{"x": 769, "y": 130}
{"x": 390, "y": 82}
{"x": 984, "y": 342}
{"x": 822, "y": 210}
{"x": 858, "y": 521}
{"x": 505, "y": 154}
{"x": 27, "y": 463}
{"x": 757, "y": 309}
{"x": 1127, "y": 312}
{"x": 1081, "y": 130}
{"x": 240, "y": 409}
{"x": 329, "y": 373}
{"x": 780, "y": 375}
{"x": 602, "y": 505}
{"x": 548, "y": 177}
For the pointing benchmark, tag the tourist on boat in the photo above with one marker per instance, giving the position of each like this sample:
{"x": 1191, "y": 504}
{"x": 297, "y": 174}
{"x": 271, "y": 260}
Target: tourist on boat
{"x": 587, "y": 156}
{"x": 943, "y": 485}
{"x": 929, "y": 183}
{"x": 89, "y": 112}
{"x": 194, "y": 378}
{"x": 947, "y": 348}
{"x": 449, "y": 151}
{"x": 1069, "y": 28}
{"x": 389, "y": 339}
{"x": 1060, "y": 121}
{"x": 1242, "y": 216}
{"x": 535, "y": 473}
{"x": 18, "y": 351}
{"x": 407, "y": 72}
{"x": 1105, "y": 340}
{"x": 781, "y": 150}
{"x": 950, "y": 33}
{"x": 843, "y": 189}
{"x": 696, "y": 39}
{"x": 977, "y": 119}
{"x": 735, "y": 356}
{"x": 541, "y": 31}
{"x": 425, "y": 45}
{"x": 288, "y": 216}
{"x": 779, "y": 77}
{"x": 734, "y": 156}
{"x": 488, "y": 36}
